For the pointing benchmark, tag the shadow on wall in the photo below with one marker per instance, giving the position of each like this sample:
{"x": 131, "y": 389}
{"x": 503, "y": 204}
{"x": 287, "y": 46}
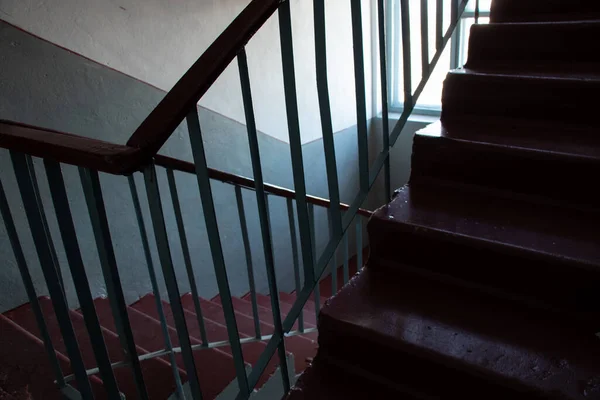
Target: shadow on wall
{"x": 63, "y": 91}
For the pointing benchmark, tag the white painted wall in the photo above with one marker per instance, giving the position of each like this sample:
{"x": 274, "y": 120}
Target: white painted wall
{"x": 157, "y": 41}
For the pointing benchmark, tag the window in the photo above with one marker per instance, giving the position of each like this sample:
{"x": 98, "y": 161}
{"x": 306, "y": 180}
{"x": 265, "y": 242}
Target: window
{"x": 454, "y": 55}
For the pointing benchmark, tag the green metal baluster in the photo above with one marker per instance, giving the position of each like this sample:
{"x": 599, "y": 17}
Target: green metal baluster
{"x": 25, "y": 174}
{"x": 425, "y": 38}
{"x": 361, "y": 97}
{"x": 263, "y": 214}
{"x": 108, "y": 262}
{"x": 86, "y": 300}
{"x": 291, "y": 102}
{"x": 216, "y": 249}
{"x": 292, "y": 224}
{"x": 248, "y": 253}
{"x": 384, "y": 98}
{"x": 325, "y": 109}
{"x": 164, "y": 253}
{"x": 15, "y": 243}
{"x": 187, "y": 259}
{"x": 406, "y": 56}
{"x": 154, "y": 282}
{"x": 439, "y": 25}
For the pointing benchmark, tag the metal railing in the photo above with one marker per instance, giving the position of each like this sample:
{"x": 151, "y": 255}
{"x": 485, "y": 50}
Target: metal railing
{"x": 139, "y": 156}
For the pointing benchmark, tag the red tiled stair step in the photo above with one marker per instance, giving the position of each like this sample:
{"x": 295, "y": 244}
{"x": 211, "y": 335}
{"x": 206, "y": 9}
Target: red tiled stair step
{"x": 310, "y": 319}
{"x": 264, "y": 303}
{"x": 215, "y": 332}
{"x": 309, "y": 306}
{"x": 157, "y": 374}
{"x": 303, "y": 347}
{"x": 453, "y": 343}
{"x": 25, "y": 366}
{"x": 215, "y": 369}
{"x": 245, "y": 307}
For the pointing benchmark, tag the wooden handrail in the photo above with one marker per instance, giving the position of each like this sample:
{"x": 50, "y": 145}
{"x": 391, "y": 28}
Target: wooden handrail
{"x": 184, "y": 166}
{"x": 183, "y": 97}
{"x": 70, "y": 149}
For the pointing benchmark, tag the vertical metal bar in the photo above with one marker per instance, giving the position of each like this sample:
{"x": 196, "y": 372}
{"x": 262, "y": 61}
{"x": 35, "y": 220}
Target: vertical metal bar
{"x": 425, "y": 38}
{"x": 291, "y": 102}
{"x": 292, "y": 223}
{"x": 439, "y": 25}
{"x": 25, "y": 174}
{"x": 108, "y": 262}
{"x": 263, "y": 213}
{"x": 68, "y": 234}
{"x": 453, "y": 11}
{"x": 45, "y": 225}
{"x": 13, "y": 237}
{"x": 477, "y": 11}
{"x": 313, "y": 239}
{"x": 185, "y": 249}
{"x": 346, "y": 260}
{"x": 384, "y": 98}
{"x": 334, "y": 280}
{"x": 325, "y": 110}
{"x": 248, "y": 252}
{"x": 164, "y": 254}
{"x": 406, "y": 55}
{"x": 395, "y": 66}
{"x": 361, "y": 97}
{"x": 154, "y": 283}
{"x": 359, "y": 245}
{"x": 214, "y": 239}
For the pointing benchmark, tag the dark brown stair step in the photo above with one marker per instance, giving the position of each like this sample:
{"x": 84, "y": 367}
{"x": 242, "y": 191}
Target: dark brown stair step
{"x": 25, "y": 367}
{"x": 523, "y": 160}
{"x": 469, "y": 94}
{"x": 452, "y": 343}
{"x": 546, "y": 255}
{"x": 157, "y": 373}
{"x": 565, "y": 47}
{"x": 322, "y": 381}
{"x": 546, "y": 10}
{"x": 302, "y": 347}
{"x": 215, "y": 369}
{"x": 245, "y": 307}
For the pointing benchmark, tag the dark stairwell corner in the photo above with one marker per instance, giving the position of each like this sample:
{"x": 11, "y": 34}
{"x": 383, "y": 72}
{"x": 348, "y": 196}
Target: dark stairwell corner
{"x": 483, "y": 280}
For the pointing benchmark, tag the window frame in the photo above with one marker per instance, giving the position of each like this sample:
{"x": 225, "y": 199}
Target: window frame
{"x": 396, "y": 104}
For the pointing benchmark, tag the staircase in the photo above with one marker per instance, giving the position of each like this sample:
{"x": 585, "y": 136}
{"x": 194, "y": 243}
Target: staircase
{"x": 25, "y": 371}
{"x": 483, "y": 280}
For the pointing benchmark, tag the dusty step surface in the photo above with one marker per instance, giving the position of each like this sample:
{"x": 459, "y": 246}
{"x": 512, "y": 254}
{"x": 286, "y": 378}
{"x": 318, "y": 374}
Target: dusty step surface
{"x": 451, "y": 343}
{"x": 215, "y": 332}
{"x": 322, "y": 381}
{"x": 548, "y": 10}
{"x": 526, "y": 160}
{"x": 158, "y": 379}
{"x": 25, "y": 368}
{"x": 470, "y": 94}
{"x": 543, "y": 254}
{"x": 565, "y": 47}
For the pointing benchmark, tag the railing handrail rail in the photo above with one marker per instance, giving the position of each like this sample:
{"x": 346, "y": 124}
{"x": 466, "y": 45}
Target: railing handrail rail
{"x": 239, "y": 180}
{"x": 118, "y": 159}
{"x": 156, "y": 129}
{"x": 69, "y": 148}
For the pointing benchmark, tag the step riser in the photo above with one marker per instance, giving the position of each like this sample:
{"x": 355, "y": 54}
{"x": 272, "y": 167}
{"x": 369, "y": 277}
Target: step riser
{"x": 549, "y": 10}
{"x": 411, "y": 373}
{"x": 521, "y": 98}
{"x": 545, "y": 282}
{"x": 564, "y": 178}
{"x": 568, "y": 47}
